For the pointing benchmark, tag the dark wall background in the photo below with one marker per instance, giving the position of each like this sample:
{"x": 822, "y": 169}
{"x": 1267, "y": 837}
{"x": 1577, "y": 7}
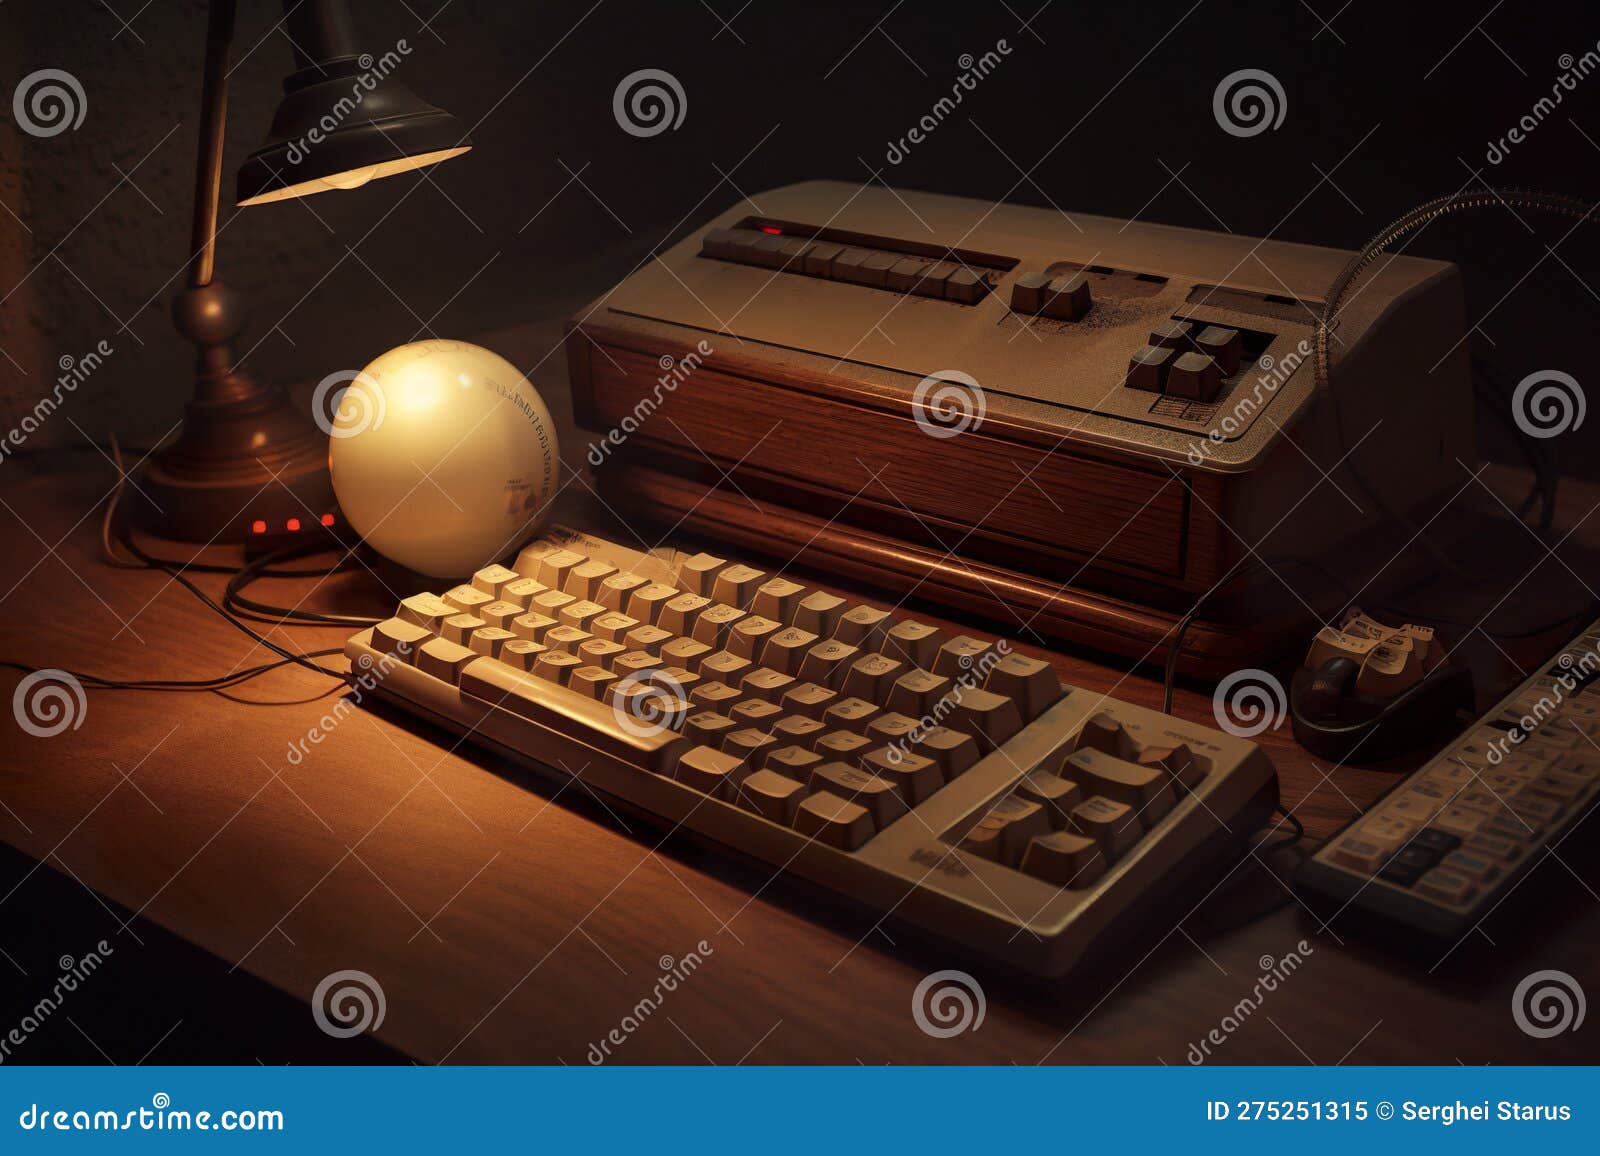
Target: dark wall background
{"x": 1111, "y": 102}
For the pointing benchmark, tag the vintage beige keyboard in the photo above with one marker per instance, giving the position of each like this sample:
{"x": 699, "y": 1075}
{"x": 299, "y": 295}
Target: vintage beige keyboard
{"x": 941, "y": 777}
{"x": 1452, "y": 839}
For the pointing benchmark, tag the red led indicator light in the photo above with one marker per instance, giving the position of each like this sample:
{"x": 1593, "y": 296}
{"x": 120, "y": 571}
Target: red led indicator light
{"x": 327, "y": 519}
{"x": 258, "y": 527}
{"x": 292, "y": 524}
{"x": 773, "y": 229}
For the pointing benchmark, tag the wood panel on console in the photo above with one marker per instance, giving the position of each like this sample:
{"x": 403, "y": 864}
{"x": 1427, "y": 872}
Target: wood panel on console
{"x": 1010, "y": 491}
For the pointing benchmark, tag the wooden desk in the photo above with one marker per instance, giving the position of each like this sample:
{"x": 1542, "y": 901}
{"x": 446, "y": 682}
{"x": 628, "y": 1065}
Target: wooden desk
{"x": 510, "y": 921}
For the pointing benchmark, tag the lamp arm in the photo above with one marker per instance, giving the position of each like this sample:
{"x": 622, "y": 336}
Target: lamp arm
{"x": 213, "y": 127}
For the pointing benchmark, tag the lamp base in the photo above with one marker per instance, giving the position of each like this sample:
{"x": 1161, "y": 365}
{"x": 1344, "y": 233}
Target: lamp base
{"x": 244, "y": 466}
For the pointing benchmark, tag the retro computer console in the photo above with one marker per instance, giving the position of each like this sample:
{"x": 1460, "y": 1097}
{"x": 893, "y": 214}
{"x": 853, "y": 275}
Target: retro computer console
{"x": 1121, "y": 417}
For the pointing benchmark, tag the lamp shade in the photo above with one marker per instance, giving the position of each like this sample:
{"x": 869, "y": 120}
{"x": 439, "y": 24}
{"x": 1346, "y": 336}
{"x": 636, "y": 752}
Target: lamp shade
{"x": 342, "y": 124}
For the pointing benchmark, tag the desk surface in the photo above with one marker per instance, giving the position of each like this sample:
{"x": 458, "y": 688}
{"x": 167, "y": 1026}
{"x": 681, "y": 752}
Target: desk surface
{"x": 508, "y": 920}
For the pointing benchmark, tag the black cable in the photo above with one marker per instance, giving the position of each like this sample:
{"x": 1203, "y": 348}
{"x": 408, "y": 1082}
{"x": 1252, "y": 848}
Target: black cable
{"x": 1415, "y": 219}
{"x": 216, "y": 683}
{"x": 110, "y": 524}
{"x": 236, "y": 603}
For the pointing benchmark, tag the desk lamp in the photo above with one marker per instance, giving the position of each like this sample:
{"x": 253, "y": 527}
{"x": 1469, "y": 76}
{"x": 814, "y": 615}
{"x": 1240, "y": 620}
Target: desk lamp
{"x": 246, "y": 458}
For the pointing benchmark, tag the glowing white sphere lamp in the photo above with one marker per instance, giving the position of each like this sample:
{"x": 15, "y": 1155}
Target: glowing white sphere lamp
{"x": 444, "y": 456}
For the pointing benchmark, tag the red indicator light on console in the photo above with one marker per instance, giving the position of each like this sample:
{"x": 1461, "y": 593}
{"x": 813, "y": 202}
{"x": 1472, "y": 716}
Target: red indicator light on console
{"x": 327, "y": 519}
{"x": 773, "y": 229}
{"x": 292, "y": 524}
{"x": 258, "y": 527}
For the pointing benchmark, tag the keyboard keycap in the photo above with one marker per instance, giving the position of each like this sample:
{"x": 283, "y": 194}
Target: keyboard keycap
{"x": 685, "y": 652}
{"x": 696, "y": 574}
{"x": 917, "y": 693}
{"x": 879, "y": 796}
{"x": 850, "y": 714}
{"x": 1056, "y": 795}
{"x": 556, "y": 666}
{"x": 615, "y": 591}
{"x": 785, "y": 650}
{"x": 810, "y": 700}
{"x": 680, "y": 614}
{"x": 491, "y": 579}
{"x": 990, "y": 718}
{"x": 521, "y": 653}
{"x": 646, "y": 602}
{"x": 1031, "y": 684}
{"x": 960, "y": 655}
{"x": 793, "y": 761}
{"x": 777, "y": 598}
{"x": 767, "y": 684}
{"x": 772, "y": 795}
{"x": 584, "y": 581}
{"x": 1147, "y": 790}
{"x": 871, "y": 677}
{"x": 458, "y": 628}
{"x": 837, "y": 822}
{"x": 916, "y": 777}
{"x": 953, "y": 752}
{"x": 708, "y": 728}
{"x": 736, "y": 585}
{"x": 714, "y": 623}
{"x": 1065, "y": 859}
{"x": 489, "y": 640}
{"x": 399, "y": 637}
{"x": 711, "y": 772}
{"x": 749, "y": 745}
{"x": 863, "y": 627}
{"x": 1111, "y": 824}
{"x": 444, "y": 659}
{"x": 826, "y": 663}
{"x": 755, "y": 712}
{"x": 611, "y": 626}
{"x": 748, "y": 637}
{"x": 426, "y": 610}
{"x": 555, "y": 566}
{"x": 819, "y": 612}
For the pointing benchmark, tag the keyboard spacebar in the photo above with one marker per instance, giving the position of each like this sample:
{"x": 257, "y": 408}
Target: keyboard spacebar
{"x": 569, "y": 714}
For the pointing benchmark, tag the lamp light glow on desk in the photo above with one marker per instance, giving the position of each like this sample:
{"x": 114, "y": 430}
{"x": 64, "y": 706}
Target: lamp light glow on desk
{"x": 244, "y": 449}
